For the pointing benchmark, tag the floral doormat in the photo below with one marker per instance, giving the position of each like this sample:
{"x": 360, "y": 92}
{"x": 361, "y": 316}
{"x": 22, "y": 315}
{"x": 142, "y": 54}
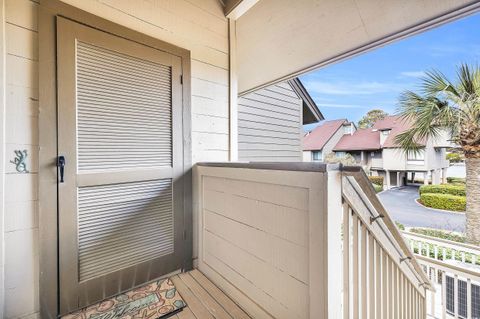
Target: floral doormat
{"x": 158, "y": 299}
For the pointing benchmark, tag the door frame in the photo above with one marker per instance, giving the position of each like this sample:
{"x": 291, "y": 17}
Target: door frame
{"x": 48, "y": 190}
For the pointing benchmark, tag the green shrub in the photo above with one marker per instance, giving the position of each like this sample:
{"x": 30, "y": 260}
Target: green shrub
{"x": 455, "y": 180}
{"x": 444, "y": 201}
{"x": 400, "y": 225}
{"x": 457, "y": 190}
{"x": 377, "y": 188}
{"x": 377, "y": 180}
{"x": 438, "y": 233}
{"x": 454, "y": 157}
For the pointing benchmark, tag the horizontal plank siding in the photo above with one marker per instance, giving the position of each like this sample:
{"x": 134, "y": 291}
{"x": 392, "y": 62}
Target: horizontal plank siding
{"x": 198, "y": 26}
{"x": 21, "y": 133}
{"x": 269, "y": 125}
{"x": 256, "y": 235}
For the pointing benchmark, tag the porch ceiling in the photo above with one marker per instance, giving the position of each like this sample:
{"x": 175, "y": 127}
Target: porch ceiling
{"x": 278, "y": 39}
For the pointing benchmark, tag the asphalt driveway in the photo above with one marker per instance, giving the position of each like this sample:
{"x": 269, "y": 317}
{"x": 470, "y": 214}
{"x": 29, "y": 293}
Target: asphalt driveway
{"x": 400, "y": 203}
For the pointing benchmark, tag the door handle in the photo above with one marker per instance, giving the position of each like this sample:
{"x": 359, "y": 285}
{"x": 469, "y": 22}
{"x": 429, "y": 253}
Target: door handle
{"x": 61, "y": 166}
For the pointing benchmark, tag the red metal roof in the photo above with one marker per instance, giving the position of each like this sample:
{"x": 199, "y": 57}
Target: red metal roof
{"x": 316, "y": 139}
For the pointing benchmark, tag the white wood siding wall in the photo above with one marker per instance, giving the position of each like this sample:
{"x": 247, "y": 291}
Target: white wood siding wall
{"x": 198, "y": 26}
{"x": 269, "y": 125}
{"x": 20, "y": 215}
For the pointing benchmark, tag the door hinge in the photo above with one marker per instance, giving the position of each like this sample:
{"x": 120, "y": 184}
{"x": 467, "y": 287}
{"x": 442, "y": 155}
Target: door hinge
{"x": 184, "y": 234}
{"x": 181, "y": 79}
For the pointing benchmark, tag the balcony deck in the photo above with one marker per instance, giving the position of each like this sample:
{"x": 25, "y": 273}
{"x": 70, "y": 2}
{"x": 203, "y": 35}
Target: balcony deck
{"x": 204, "y": 299}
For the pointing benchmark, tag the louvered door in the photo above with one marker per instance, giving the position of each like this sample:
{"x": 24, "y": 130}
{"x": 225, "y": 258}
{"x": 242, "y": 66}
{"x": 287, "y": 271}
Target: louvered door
{"x": 120, "y": 131}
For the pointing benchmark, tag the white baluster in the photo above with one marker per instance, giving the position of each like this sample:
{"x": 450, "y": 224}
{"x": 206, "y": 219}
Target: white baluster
{"x": 435, "y": 252}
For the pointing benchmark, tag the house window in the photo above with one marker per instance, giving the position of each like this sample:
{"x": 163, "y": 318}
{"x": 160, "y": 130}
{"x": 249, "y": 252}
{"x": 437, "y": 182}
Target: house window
{"x": 383, "y": 136}
{"x": 340, "y": 154}
{"x": 347, "y": 129}
{"x": 317, "y": 156}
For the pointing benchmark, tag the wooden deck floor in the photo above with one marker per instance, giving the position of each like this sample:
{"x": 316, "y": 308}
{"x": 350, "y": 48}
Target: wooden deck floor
{"x": 204, "y": 299}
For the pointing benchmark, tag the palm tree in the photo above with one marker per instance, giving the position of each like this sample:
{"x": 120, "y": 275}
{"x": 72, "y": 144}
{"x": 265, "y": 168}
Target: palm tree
{"x": 454, "y": 106}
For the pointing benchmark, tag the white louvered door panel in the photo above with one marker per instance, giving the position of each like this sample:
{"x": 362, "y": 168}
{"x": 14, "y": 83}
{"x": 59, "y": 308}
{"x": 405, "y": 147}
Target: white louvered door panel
{"x": 120, "y": 130}
{"x": 122, "y": 225}
{"x": 124, "y": 111}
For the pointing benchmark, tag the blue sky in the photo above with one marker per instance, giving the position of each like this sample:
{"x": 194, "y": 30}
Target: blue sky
{"x": 375, "y": 79}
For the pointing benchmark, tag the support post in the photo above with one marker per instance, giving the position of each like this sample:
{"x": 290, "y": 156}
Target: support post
{"x": 387, "y": 178}
{"x": 437, "y": 178}
{"x": 444, "y": 175}
{"x": 233, "y": 92}
{"x": 334, "y": 238}
{"x": 432, "y": 304}
{"x": 425, "y": 178}
{"x": 399, "y": 183}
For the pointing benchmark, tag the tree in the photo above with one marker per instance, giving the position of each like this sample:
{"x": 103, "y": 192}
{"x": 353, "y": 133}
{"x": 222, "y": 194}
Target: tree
{"x": 346, "y": 159}
{"x": 454, "y": 157}
{"x": 371, "y": 117}
{"x": 455, "y": 106}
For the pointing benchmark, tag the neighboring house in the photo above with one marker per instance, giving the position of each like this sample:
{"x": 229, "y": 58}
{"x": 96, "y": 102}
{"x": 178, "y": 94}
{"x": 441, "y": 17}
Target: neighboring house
{"x": 270, "y": 122}
{"x": 320, "y": 141}
{"x": 375, "y": 149}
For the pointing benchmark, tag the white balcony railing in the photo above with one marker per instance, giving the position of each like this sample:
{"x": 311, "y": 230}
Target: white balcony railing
{"x": 455, "y": 269}
{"x": 303, "y": 241}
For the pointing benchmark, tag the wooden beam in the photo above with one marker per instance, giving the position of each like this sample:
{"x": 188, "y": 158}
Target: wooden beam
{"x": 234, "y": 9}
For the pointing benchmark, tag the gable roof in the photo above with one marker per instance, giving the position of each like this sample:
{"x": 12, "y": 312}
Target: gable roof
{"x": 360, "y": 140}
{"x": 311, "y": 112}
{"x": 397, "y": 125}
{"x": 369, "y": 139}
{"x": 318, "y": 137}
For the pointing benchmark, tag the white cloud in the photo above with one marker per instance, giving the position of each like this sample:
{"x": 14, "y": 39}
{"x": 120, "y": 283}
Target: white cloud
{"x": 413, "y": 74}
{"x": 347, "y": 88}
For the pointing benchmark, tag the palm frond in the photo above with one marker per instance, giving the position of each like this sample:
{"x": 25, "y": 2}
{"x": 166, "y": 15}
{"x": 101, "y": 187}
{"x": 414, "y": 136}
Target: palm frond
{"x": 425, "y": 115}
{"x": 435, "y": 82}
{"x": 441, "y": 105}
{"x": 468, "y": 80}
